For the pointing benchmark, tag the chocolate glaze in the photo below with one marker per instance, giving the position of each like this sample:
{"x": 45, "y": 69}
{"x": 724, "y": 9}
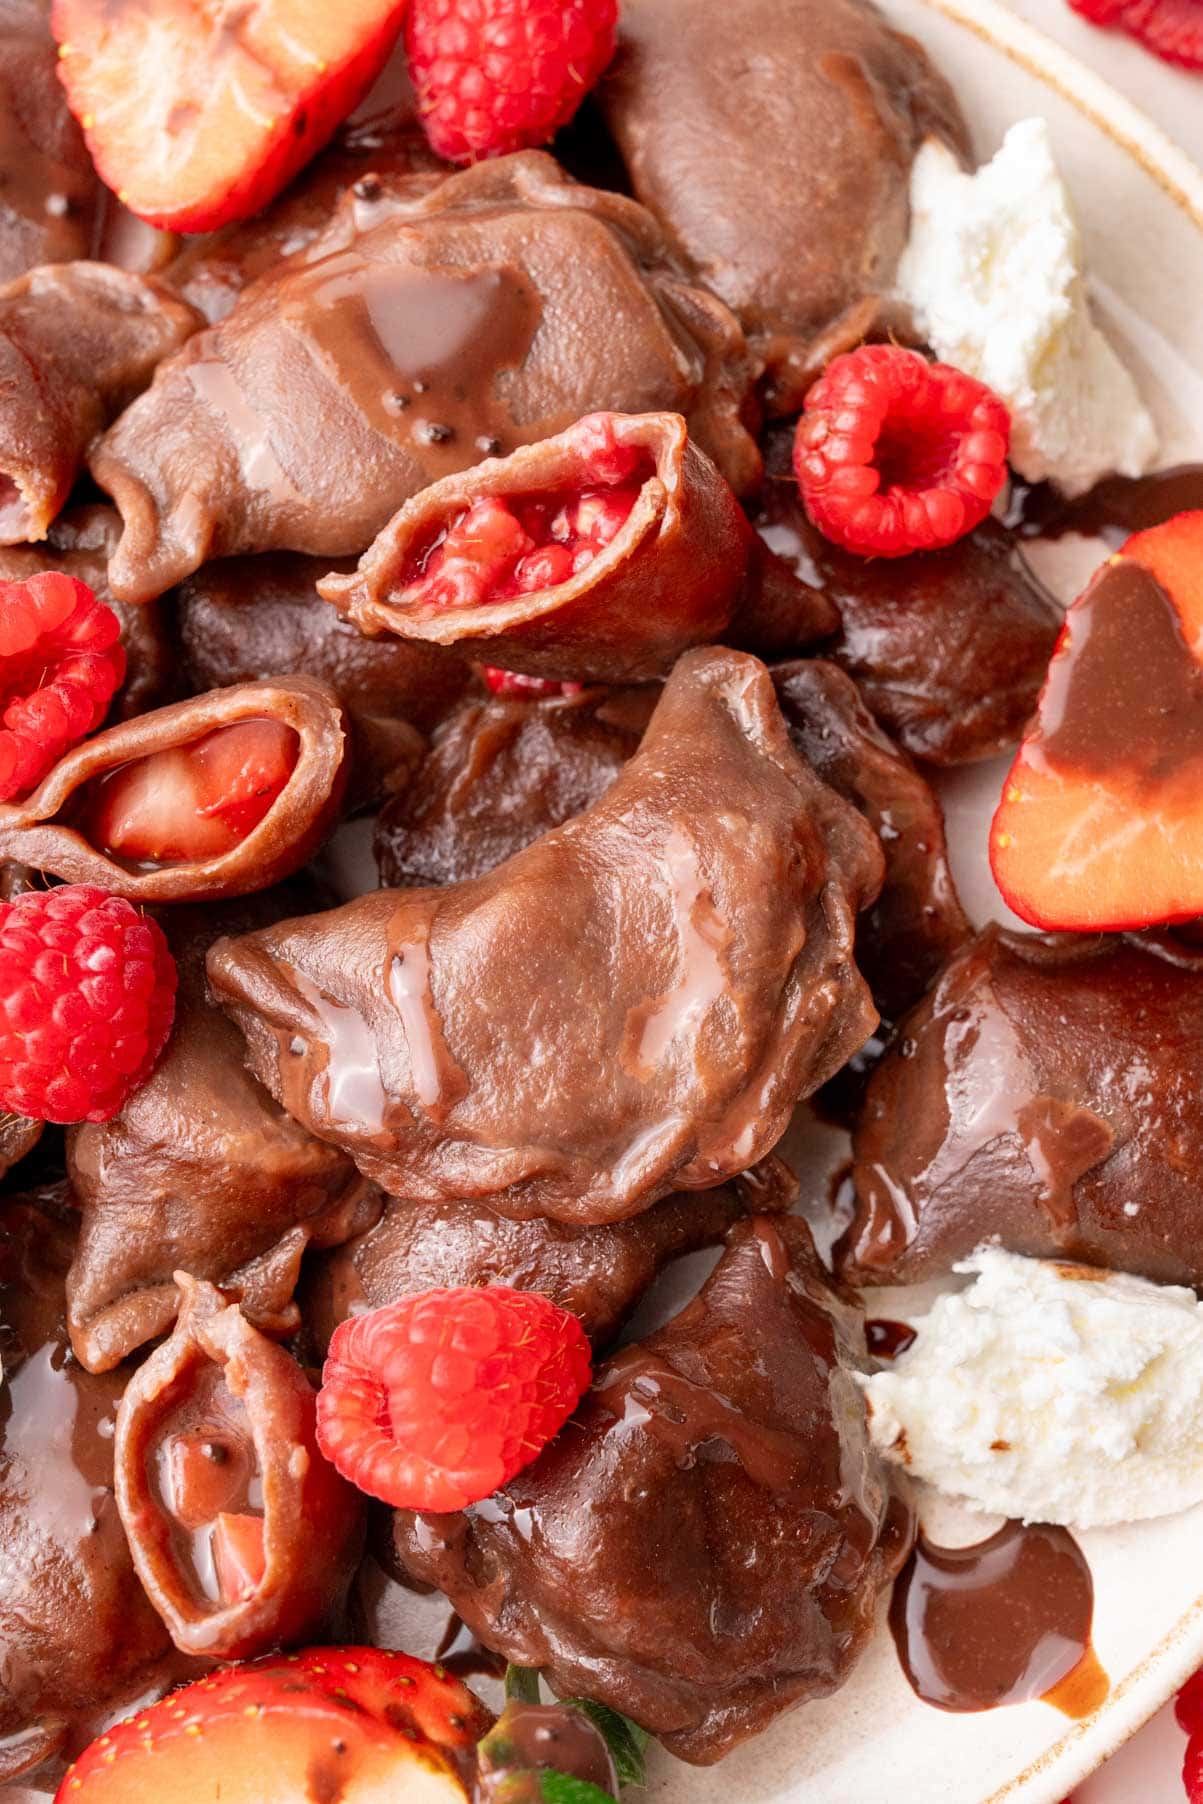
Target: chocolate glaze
{"x": 703, "y": 1544}
{"x": 201, "y": 1171}
{"x": 529, "y": 1738}
{"x": 49, "y": 194}
{"x": 47, "y": 830}
{"x": 489, "y": 313}
{"x": 81, "y": 541}
{"x": 917, "y": 922}
{"x": 672, "y": 577}
{"x": 1038, "y": 1097}
{"x": 245, "y": 618}
{"x": 675, "y": 966}
{"x": 1115, "y": 507}
{"x": 218, "y": 1380}
{"x": 464, "y": 1656}
{"x": 886, "y": 1340}
{"x": 77, "y": 342}
{"x": 76, "y": 1631}
{"x": 500, "y": 773}
{"x": 949, "y": 649}
{"x": 600, "y": 1273}
{"x": 1001, "y": 1622}
{"x": 774, "y": 140}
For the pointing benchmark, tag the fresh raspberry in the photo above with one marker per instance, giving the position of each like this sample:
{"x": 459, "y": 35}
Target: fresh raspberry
{"x": 61, "y": 662}
{"x": 513, "y": 684}
{"x": 494, "y": 76}
{"x": 87, "y": 996}
{"x": 894, "y": 454}
{"x": 433, "y": 1402}
{"x": 1192, "y": 1769}
{"x": 1188, "y": 1706}
{"x": 1171, "y": 29}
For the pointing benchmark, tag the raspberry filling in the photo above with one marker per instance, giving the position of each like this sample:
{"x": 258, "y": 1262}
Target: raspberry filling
{"x": 191, "y": 802}
{"x": 61, "y": 662}
{"x": 206, "y": 1480}
{"x": 502, "y": 547}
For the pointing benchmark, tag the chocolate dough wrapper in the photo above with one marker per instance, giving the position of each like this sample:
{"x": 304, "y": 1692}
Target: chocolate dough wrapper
{"x": 632, "y": 1005}
{"x": 243, "y": 618}
{"x": 774, "y": 140}
{"x": 917, "y": 922}
{"x": 81, "y": 542}
{"x": 200, "y": 1171}
{"x": 219, "y": 1424}
{"x": 704, "y": 1544}
{"x": 18, "y": 1136}
{"x": 76, "y": 1631}
{"x": 949, "y": 649}
{"x": 50, "y": 198}
{"x": 489, "y": 313}
{"x": 39, "y": 830}
{"x": 502, "y": 772}
{"x": 78, "y": 341}
{"x": 600, "y": 1274}
{"x": 671, "y": 577}
{"x": 1040, "y": 1098}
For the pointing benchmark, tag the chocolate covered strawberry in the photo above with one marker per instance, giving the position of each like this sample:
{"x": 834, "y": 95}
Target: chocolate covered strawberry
{"x": 198, "y": 112}
{"x": 1099, "y": 824}
{"x": 353, "y": 1723}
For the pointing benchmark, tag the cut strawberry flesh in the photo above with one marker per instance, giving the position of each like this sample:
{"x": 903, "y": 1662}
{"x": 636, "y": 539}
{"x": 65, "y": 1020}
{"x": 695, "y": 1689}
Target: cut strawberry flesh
{"x": 198, "y": 112}
{"x": 202, "y": 1478}
{"x": 193, "y": 802}
{"x": 499, "y": 548}
{"x": 1101, "y": 821}
{"x": 239, "y": 1558}
{"x": 516, "y": 686}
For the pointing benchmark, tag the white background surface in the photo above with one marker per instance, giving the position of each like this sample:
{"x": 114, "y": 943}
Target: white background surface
{"x": 1148, "y": 1770}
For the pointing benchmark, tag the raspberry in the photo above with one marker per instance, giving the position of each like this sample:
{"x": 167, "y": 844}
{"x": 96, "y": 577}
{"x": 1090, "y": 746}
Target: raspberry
{"x": 433, "y": 1402}
{"x": 61, "y": 662}
{"x": 894, "y": 454}
{"x": 494, "y": 76}
{"x": 1188, "y": 1707}
{"x": 513, "y": 684}
{"x": 87, "y": 996}
{"x": 1171, "y": 29}
{"x": 1192, "y": 1770}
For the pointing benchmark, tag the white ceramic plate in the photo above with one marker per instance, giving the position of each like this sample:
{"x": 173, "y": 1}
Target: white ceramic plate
{"x": 1141, "y": 206}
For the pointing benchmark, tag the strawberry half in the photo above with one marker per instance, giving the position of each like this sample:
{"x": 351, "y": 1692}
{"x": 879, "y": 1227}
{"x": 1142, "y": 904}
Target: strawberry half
{"x": 1101, "y": 820}
{"x": 355, "y": 1723}
{"x": 198, "y": 112}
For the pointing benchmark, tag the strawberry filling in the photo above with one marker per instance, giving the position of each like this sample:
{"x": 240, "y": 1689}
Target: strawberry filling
{"x": 210, "y": 1489}
{"x": 192, "y": 802}
{"x": 503, "y": 547}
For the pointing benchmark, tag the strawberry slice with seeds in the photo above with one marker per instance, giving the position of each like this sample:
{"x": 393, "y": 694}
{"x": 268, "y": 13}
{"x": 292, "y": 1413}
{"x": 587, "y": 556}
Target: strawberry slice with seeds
{"x": 1100, "y": 824}
{"x": 358, "y": 1724}
{"x": 198, "y": 112}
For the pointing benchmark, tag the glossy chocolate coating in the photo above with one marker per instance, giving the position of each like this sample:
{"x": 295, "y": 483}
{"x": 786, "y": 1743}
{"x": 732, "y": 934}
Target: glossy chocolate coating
{"x": 704, "y": 1543}
{"x": 949, "y": 649}
{"x": 632, "y": 1005}
{"x": 917, "y": 922}
{"x": 219, "y": 1382}
{"x": 245, "y": 618}
{"x": 78, "y": 341}
{"x": 528, "y": 1739}
{"x": 488, "y": 313}
{"x": 50, "y": 197}
{"x": 81, "y": 541}
{"x": 500, "y": 773}
{"x": 774, "y": 141}
{"x": 201, "y": 1172}
{"x": 42, "y": 830}
{"x": 672, "y": 576}
{"x": 599, "y": 1274}
{"x": 1039, "y": 1097}
{"x": 76, "y": 1631}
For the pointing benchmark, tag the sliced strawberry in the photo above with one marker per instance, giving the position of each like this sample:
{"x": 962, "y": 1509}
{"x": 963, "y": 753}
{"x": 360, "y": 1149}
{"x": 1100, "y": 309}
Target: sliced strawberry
{"x": 357, "y": 1724}
{"x": 238, "y": 1555}
{"x": 197, "y": 113}
{"x": 195, "y": 801}
{"x": 1101, "y": 820}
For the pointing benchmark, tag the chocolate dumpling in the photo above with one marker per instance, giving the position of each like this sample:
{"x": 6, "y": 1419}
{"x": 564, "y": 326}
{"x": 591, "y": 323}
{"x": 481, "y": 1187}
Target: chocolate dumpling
{"x": 704, "y": 1544}
{"x": 631, "y": 1005}
{"x": 51, "y": 201}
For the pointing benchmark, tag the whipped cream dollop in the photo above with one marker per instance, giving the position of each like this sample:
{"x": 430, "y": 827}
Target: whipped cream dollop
{"x": 1051, "y": 1393}
{"x": 993, "y": 272}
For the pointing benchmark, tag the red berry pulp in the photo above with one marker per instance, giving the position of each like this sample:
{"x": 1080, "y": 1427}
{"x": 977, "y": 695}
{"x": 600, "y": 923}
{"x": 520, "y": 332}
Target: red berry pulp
{"x": 61, "y": 662}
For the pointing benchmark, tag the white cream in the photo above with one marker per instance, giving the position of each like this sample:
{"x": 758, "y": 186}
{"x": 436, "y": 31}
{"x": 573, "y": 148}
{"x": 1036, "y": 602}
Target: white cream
{"x": 1051, "y": 1393}
{"x": 993, "y": 272}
